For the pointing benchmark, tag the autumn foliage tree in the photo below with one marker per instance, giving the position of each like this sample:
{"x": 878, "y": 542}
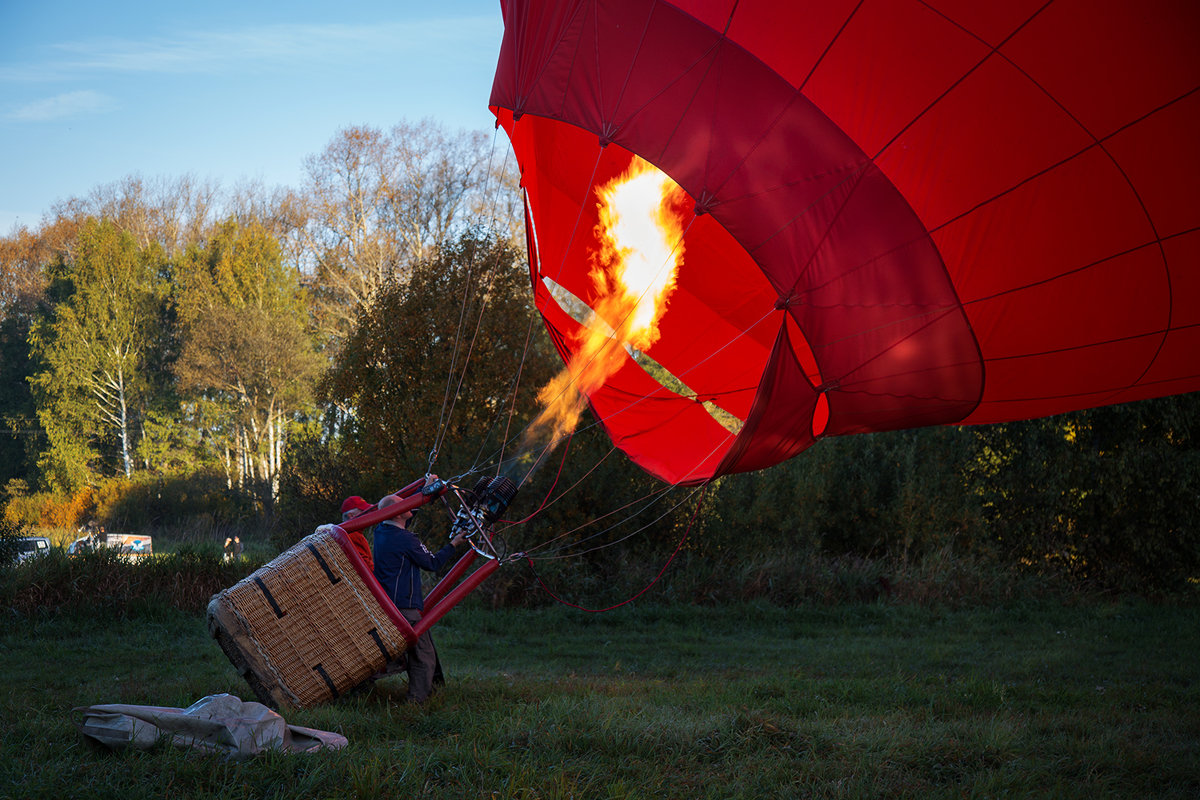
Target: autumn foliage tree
{"x": 22, "y": 287}
{"x": 435, "y": 360}
{"x": 247, "y": 361}
{"x": 169, "y": 213}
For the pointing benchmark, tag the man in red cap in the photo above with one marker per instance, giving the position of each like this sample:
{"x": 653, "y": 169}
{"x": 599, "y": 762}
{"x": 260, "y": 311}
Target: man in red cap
{"x": 351, "y": 507}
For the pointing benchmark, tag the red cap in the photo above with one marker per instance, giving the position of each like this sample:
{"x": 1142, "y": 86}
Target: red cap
{"x": 354, "y": 503}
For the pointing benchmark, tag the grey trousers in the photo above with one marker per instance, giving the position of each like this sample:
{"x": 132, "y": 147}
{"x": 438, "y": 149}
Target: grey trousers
{"x": 422, "y": 661}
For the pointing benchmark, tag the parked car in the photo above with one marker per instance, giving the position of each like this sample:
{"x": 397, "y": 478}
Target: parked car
{"x": 32, "y": 547}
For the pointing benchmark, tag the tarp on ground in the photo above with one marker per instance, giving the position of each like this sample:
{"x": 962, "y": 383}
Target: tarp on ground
{"x": 217, "y": 723}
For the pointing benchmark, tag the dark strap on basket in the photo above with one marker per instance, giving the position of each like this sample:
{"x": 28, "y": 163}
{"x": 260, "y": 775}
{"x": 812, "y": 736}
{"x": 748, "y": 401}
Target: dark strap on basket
{"x": 379, "y": 641}
{"x": 328, "y": 572}
{"x": 321, "y": 671}
{"x": 279, "y": 612}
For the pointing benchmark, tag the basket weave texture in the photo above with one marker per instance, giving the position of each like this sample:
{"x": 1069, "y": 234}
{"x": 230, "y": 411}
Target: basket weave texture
{"x": 305, "y": 628}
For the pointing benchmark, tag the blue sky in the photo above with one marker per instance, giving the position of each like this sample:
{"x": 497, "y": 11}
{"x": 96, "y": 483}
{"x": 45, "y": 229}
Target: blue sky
{"x": 91, "y": 92}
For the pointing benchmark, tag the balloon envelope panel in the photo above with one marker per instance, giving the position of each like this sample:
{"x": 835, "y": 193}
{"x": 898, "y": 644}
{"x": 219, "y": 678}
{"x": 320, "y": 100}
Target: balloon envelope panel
{"x": 901, "y": 213}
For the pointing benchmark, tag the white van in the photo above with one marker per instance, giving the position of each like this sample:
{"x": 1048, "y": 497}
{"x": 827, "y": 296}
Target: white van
{"x": 32, "y": 547}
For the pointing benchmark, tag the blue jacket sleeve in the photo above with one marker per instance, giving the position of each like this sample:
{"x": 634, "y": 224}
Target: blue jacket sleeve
{"x": 419, "y": 554}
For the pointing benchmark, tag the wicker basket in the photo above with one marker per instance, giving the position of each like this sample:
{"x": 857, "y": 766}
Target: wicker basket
{"x": 307, "y": 627}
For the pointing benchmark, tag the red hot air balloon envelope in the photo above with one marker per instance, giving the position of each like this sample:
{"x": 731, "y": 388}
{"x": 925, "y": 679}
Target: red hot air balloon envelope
{"x": 905, "y": 213}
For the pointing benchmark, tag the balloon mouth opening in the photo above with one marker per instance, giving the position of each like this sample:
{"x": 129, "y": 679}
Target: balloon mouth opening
{"x": 677, "y": 403}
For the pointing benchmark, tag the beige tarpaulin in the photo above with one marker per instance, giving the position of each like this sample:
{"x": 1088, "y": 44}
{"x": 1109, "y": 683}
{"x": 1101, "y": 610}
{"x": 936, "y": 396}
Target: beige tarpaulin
{"x": 219, "y": 722}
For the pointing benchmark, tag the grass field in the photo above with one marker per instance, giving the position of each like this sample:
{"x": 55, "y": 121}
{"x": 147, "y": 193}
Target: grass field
{"x": 1037, "y": 700}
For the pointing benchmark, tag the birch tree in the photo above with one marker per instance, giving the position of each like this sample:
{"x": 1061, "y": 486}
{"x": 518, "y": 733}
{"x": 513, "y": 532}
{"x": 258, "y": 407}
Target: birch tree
{"x": 247, "y": 360}
{"x": 93, "y": 348}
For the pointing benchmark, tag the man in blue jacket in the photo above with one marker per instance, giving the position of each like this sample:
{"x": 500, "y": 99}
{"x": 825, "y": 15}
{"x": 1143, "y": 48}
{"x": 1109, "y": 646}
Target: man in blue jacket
{"x": 399, "y": 559}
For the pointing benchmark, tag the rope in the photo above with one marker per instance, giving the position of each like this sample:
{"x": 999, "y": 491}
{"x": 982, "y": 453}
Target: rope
{"x": 650, "y": 499}
{"x": 548, "y": 447}
{"x": 447, "y": 398}
{"x": 646, "y": 588}
{"x": 512, "y": 408}
{"x": 569, "y": 489}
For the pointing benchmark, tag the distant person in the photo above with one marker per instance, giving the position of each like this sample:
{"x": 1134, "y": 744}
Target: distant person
{"x": 233, "y": 548}
{"x": 399, "y": 559}
{"x": 352, "y": 507}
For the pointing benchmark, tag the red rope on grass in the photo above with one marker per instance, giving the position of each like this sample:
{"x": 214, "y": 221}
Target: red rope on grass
{"x": 646, "y": 588}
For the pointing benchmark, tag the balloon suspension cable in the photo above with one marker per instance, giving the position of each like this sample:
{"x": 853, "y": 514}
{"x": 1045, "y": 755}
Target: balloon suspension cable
{"x": 562, "y": 262}
{"x": 546, "y": 502}
{"x": 485, "y": 294}
{"x": 557, "y": 475}
{"x": 579, "y": 215}
{"x": 650, "y": 498}
{"x": 682, "y": 375}
{"x": 654, "y": 497}
{"x": 450, "y": 399}
{"x": 512, "y": 409}
{"x": 646, "y": 588}
{"x": 549, "y": 446}
{"x": 574, "y": 230}
{"x": 497, "y": 458}
{"x": 647, "y": 500}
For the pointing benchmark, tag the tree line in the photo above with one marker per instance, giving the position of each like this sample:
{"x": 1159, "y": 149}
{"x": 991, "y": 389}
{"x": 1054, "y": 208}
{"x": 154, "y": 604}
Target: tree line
{"x": 169, "y": 327}
{"x": 178, "y": 356}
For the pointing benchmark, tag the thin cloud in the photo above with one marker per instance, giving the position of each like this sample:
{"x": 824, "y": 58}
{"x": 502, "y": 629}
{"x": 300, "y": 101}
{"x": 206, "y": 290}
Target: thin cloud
{"x": 270, "y": 45}
{"x": 62, "y": 106}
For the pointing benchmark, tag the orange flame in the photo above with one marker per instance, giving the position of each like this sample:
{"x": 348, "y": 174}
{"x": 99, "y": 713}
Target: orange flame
{"x": 633, "y": 273}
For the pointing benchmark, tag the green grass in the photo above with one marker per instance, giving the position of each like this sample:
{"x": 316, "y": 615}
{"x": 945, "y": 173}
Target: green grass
{"x": 878, "y": 700}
